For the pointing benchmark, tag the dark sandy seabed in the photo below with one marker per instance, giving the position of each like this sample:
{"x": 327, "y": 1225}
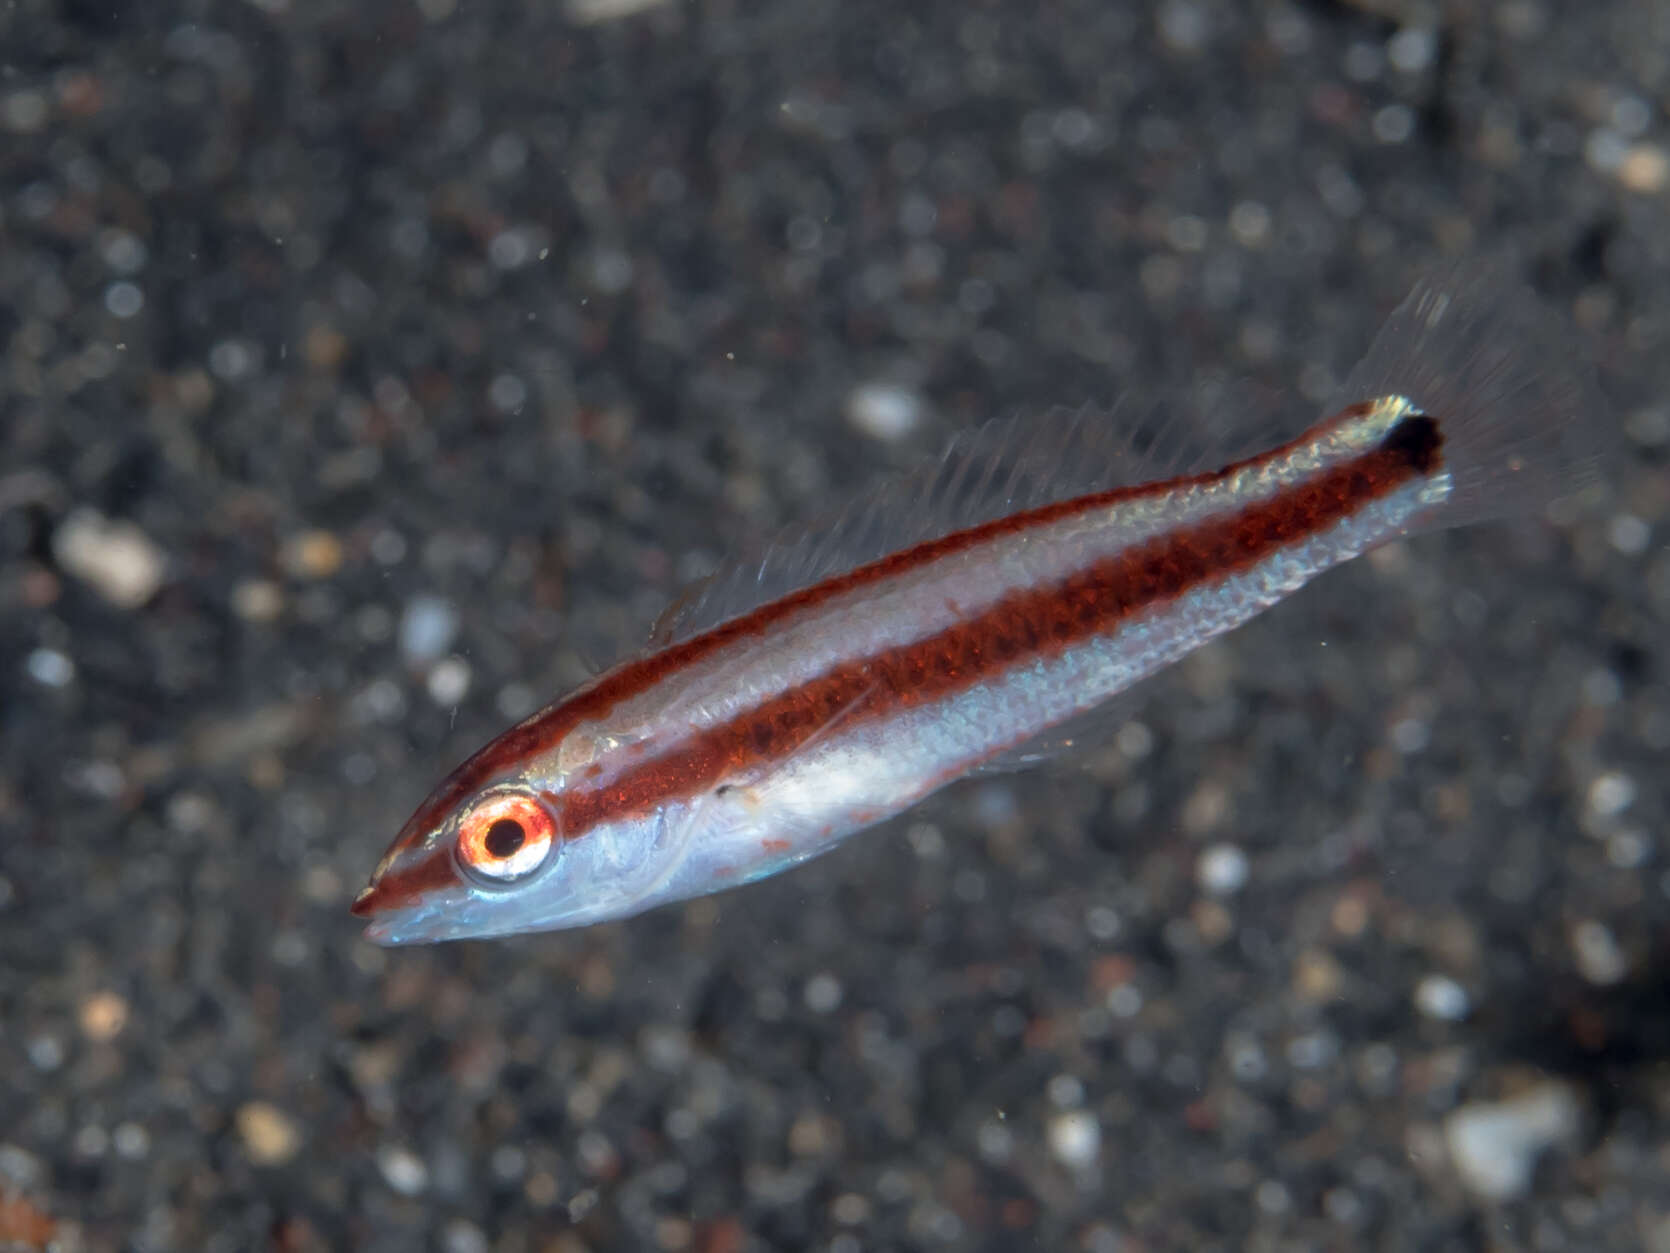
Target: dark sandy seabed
{"x": 369, "y": 367}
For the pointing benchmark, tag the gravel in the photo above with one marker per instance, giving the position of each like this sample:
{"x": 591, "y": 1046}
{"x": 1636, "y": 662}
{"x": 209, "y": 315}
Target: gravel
{"x": 372, "y": 370}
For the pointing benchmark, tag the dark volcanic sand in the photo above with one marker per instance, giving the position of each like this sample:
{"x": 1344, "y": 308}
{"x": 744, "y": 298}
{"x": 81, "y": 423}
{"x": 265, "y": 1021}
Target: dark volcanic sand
{"x": 370, "y": 366}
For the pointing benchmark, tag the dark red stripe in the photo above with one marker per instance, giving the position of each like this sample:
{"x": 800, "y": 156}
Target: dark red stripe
{"x": 1029, "y": 624}
{"x": 635, "y": 677}
{"x": 1033, "y": 623}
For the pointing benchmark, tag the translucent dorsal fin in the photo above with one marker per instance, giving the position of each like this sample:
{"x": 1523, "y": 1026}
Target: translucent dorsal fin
{"x": 990, "y": 472}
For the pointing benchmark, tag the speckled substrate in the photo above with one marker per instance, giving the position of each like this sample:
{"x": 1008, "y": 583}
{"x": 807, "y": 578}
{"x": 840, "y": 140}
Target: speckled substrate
{"x": 369, "y": 367}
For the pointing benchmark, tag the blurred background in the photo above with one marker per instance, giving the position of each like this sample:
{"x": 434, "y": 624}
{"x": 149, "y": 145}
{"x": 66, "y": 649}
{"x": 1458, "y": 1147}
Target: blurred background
{"x": 373, "y": 370}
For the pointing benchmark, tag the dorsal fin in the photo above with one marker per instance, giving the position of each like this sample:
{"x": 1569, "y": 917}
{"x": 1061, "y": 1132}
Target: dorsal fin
{"x": 1003, "y": 467}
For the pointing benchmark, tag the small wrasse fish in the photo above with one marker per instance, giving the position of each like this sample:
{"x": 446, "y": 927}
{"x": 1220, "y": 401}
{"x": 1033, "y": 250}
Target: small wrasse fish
{"x": 975, "y": 616}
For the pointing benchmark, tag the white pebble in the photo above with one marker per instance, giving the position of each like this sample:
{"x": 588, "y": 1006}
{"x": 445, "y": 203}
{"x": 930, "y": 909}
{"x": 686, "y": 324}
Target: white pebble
{"x": 1605, "y": 150}
{"x": 1102, "y": 922}
{"x": 449, "y": 681}
{"x": 121, "y": 562}
{"x": 463, "y": 1236}
{"x": 510, "y": 249}
{"x": 50, "y": 668}
{"x": 1610, "y": 794}
{"x": 1134, "y": 741}
{"x": 25, "y": 112}
{"x": 1441, "y": 997}
{"x": 123, "y": 299}
{"x": 996, "y": 1142}
{"x": 611, "y": 271}
{"x": 1494, "y": 1147}
{"x": 21, "y": 1168}
{"x": 1075, "y": 1139}
{"x": 232, "y": 359}
{"x": 1222, "y": 870}
{"x": 1066, "y": 1092}
{"x": 46, "y": 1052}
{"x": 1394, "y": 124}
{"x": 122, "y": 251}
{"x": 1411, "y": 50}
{"x": 1628, "y": 849}
{"x": 1183, "y": 26}
{"x": 1631, "y": 115}
{"x": 1601, "y": 688}
{"x": 1125, "y": 1001}
{"x": 1629, "y": 534}
{"x": 428, "y": 626}
{"x": 823, "y": 993}
{"x": 403, "y": 1170}
{"x": 884, "y": 411}
{"x": 1249, "y": 222}
{"x": 1599, "y": 959}
{"x": 1410, "y": 735}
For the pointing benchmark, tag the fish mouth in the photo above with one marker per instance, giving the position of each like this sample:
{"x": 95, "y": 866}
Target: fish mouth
{"x": 408, "y": 894}
{"x": 397, "y": 929}
{"x": 369, "y": 901}
{"x": 394, "y": 922}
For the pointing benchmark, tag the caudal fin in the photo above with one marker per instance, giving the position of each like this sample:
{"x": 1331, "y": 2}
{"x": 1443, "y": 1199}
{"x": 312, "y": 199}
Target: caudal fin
{"x": 1522, "y": 421}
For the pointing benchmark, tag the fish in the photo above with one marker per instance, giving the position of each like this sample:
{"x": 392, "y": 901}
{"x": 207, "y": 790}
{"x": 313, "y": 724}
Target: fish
{"x": 982, "y": 614}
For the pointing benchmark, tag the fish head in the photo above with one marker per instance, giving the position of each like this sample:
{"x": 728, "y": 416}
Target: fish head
{"x": 496, "y": 850}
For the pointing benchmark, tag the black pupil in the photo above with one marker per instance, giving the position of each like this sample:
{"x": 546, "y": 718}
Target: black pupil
{"x": 505, "y": 837}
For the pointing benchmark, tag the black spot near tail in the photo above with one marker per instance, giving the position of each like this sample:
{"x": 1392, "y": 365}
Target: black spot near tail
{"x": 1418, "y": 441}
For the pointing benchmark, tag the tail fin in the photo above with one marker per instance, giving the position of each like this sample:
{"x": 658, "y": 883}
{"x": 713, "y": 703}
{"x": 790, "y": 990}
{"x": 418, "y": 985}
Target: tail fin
{"x": 1523, "y": 423}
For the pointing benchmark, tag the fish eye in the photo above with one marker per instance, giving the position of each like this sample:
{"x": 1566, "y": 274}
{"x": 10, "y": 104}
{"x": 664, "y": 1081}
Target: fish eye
{"x": 505, "y": 837}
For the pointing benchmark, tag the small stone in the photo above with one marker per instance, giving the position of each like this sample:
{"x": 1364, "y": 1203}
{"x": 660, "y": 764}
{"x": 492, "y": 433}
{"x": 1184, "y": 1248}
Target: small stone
{"x": 1317, "y": 977}
{"x": 428, "y": 626}
{"x": 1411, "y": 50}
{"x": 131, "y": 1141}
{"x": 1441, "y": 997}
{"x": 449, "y": 681}
{"x": 257, "y": 600}
{"x": 1628, "y": 849}
{"x": 103, "y": 1016}
{"x": 25, "y": 112}
{"x": 823, "y": 993}
{"x": 1183, "y": 26}
{"x": 1645, "y": 169}
{"x": 312, "y": 555}
{"x": 462, "y": 1236}
{"x": 1207, "y": 808}
{"x": 270, "y": 1137}
{"x": 25, "y": 1226}
{"x": 1605, "y": 150}
{"x": 1075, "y": 1138}
{"x": 592, "y": 12}
{"x": 813, "y": 1135}
{"x": 324, "y": 347}
{"x": 1249, "y": 223}
{"x": 46, "y": 1052}
{"x": 21, "y": 1169}
{"x": 123, "y": 299}
{"x": 403, "y": 1170}
{"x": 121, "y": 562}
{"x": 850, "y": 1209}
{"x": 1610, "y": 794}
{"x": 1599, "y": 959}
{"x": 1495, "y": 1147}
{"x": 50, "y": 668}
{"x": 1222, "y": 870}
{"x": 885, "y": 411}
{"x": 1065, "y": 1091}
{"x": 1629, "y": 534}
